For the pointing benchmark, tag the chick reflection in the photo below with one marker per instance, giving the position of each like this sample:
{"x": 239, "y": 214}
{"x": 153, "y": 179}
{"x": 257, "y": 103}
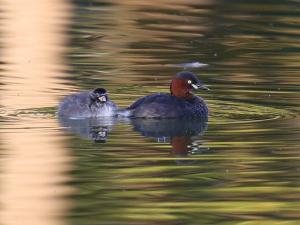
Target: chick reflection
{"x": 95, "y": 129}
{"x": 178, "y": 132}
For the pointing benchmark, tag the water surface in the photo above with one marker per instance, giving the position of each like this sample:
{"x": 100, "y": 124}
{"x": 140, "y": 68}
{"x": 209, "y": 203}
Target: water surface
{"x": 242, "y": 167}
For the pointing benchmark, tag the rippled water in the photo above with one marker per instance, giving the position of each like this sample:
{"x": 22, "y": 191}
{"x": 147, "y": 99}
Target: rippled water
{"x": 242, "y": 167}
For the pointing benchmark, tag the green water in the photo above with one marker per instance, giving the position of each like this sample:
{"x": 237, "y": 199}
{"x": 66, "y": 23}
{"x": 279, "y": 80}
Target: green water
{"x": 243, "y": 167}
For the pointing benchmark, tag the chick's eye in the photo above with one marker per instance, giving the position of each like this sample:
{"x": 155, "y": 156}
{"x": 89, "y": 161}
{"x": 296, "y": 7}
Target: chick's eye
{"x": 189, "y": 81}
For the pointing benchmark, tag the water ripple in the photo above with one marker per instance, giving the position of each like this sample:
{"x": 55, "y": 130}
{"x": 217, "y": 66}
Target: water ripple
{"x": 238, "y": 112}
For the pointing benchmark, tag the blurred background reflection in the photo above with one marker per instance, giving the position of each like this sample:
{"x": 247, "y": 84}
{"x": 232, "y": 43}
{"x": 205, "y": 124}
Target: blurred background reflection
{"x": 240, "y": 168}
{"x": 34, "y": 160}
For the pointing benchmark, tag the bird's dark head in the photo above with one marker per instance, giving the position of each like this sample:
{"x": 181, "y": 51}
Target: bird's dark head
{"x": 99, "y": 95}
{"x": 184, "y": 82}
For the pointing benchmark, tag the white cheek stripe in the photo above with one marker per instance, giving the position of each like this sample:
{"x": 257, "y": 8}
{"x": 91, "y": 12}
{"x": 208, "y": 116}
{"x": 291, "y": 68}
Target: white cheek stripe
{"x": 195, "y": 86}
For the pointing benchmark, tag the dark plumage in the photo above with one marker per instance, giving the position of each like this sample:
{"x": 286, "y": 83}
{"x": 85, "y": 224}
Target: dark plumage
{"x": 181, "y": 103}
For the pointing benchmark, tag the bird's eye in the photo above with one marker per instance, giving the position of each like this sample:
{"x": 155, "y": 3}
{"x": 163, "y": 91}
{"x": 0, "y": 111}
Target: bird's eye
{"x": 189, "y": 81}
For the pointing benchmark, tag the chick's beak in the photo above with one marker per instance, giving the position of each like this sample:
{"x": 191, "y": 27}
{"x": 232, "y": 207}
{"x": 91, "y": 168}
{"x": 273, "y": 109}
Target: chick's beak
{"x": 102, "y": 98}
{"x": 200, "y": 87}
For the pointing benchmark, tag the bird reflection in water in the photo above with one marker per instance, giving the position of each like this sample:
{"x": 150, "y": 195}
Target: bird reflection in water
{"x": 178, "y": 132}
{"x": 95, "y": 129}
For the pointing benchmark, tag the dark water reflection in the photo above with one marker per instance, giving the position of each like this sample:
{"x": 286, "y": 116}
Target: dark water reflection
{"x": 240, "y": 168}
{"x": 95, "y": 129}
{"x": 177, "y": 132}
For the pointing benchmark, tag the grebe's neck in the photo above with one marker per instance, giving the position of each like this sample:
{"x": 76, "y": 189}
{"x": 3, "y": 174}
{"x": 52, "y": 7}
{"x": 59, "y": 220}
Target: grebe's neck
{"x": 180, "y": 88}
